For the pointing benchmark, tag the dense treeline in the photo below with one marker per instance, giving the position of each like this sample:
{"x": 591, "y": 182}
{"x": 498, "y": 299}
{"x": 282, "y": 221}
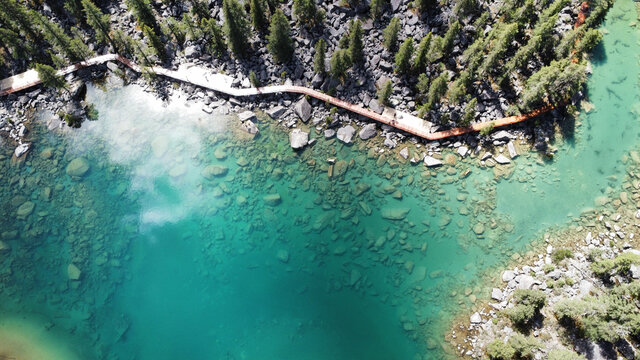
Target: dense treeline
{"x": 519, "y": 50}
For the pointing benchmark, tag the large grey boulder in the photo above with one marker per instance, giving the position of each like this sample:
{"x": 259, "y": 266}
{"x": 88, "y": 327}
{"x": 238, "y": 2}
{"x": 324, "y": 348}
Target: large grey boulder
{"x": 503, "y": 160}
{"x": 250, "y": 127}
{"x": 191, "y": 51}
{"x": 368, "y": 131}
{"x": 21, "y": 150}
{"x": 431, "y": 161}
{"x": 247, "y": 115}
{"x": 375, "y": 106}
{"x": 345, "y": 134}
{"x": 276, "y": 111}
{"x": 303, "y": 109}
{"x": 298, "y": 139}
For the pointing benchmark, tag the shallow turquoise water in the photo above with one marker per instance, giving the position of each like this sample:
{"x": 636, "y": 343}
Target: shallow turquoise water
{"x": 176, "y": 264}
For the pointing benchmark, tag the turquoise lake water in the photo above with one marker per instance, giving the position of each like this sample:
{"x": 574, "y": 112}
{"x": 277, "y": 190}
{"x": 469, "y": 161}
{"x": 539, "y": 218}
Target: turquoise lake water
{"x": 180, "y": 258}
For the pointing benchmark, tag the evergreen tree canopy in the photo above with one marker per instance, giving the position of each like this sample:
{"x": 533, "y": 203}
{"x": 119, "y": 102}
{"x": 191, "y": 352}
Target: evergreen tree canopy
{"x": 553, "y": 84}
{"x": 236, "y": 26}
{"x": 280, "y": 44}
{"x": 340, "y": 63}
{"x": 422, "y": 60}
{"x": 403, "y": 56}
{"x": 49, "y": 77}
{"x": 98, "y": 21}
{"x": 307, "y": 13}
{"x": 355, "y": 42}
{"x": 319, "y": 57}
{"x": 390, "y": 34}
{"x": 258, "y": 15}
{"x": 143, "y": 13}
{"x": 155, "y": 43}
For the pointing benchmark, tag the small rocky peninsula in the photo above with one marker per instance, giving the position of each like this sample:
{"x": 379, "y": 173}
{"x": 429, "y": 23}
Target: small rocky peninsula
{"x": 576, "y": 299}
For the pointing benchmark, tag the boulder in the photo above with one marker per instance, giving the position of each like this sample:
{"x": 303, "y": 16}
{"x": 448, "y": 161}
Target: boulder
{"x": 276, "y": 111}
{"x": 283, "y": 255}
{"x": 247, "y": 116}
{"x": 462, "y": 151}
{"x": 375, "y": 106}
{"x": 512, "y": 150}
{"x": 78, "y": 90}
{"x": 25, "y": 209}
{"x": 345, "y": 134}
{"x": 431, "y": 161}
{"x": 303, "y": 109}
{"x": 250, "y": 127}
{"x": 21, "y": 149}
{"x": 329, "y": 133}
{"x": 475, "y": 318}
{"x": 4, "y": 247}
{"x": 298, "y": 139}
{"x": 496, "y": 294}
{"x": 635, "y": 271}
{"x": 508, "y": 275}
{"x": 78, "y": 168}
{"x": 404, "y": 153}
{"x": 212, "y": 171}
{"x": 73, "y": 272}
{"x": 272, "y": 199}
{"x": 524, "y": 281}
{"x": 394, "y": 213}
{"x": 501, "y": 159}
{"x": 368, "y": 131}
{"x": 501, "y": 136}
{"x": 191, "y": 51}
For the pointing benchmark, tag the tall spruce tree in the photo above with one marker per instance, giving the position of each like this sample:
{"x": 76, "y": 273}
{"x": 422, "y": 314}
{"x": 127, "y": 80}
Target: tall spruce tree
{"x": 17, "y": 14}
{"x": 258, "y": 15}
{"x": 340, "y": 62}
{"x": 403, "y": 56}
{"x": 49, "y": 77}
{"x": 307, "y": 12}
{"x": 424, "y": 5}
{"x": 14, "y": 44}
{"x": 63, "y": 43}
{"x": 422, "y": 53}
{"x": 200, "y": 9}
{"x": 375, "y": 9}
{"x": 355, "y": 42}
{"x": 236, "y": 26}
{"x": 99, "y": 22}
{"x": 320, "y": 57}
{"x": 143, "y": 13}
{"x": 215, "y": 38}
{"x": 157, "y": 46}
{"x": 390, "y": 34}
{"x": 280, "y": 44}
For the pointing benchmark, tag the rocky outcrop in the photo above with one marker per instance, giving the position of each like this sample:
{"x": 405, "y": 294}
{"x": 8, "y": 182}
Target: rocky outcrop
{"x": 298, "y": 139}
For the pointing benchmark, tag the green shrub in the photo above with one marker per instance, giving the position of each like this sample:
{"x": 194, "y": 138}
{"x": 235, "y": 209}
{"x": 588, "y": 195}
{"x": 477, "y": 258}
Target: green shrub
{"x": 498, "y": 350}
{"x": 547, "y": 268}
{"x": 355, "y": 42}
{"x": 564, "y": 354}
{"x": 528, "y": 303}
{"x": 469, "y": 112}
{"x": 523, "y": 346}
{"x": 602, "y": 268}
{"x": 253, "y": 78}
{"x": 624, "y": 261}
{"x": 561, "y": 254}
{"x": 594, "y": 254}
{"x": 307, "y": 13}
{"x": 384, "y": 93}
{"x": 236, "y": 26}
{"x": 487, "y": 129}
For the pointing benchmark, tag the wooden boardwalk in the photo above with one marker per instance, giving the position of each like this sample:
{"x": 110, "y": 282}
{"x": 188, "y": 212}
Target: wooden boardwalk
{"x": 397, "y": 119}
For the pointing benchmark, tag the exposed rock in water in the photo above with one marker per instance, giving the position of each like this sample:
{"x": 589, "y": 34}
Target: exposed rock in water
{"x": 250, "y": 127}
{"x": 394, "y": 213}
{"x": 212, "y": 171}
{"x": 276, "y": 111}
{"x": 501, "y": 159}
{"x": 73, "y": 272}
{"x": 303, "y": 109}
{"x": 77, "y": 168}
{"x": 298, "y": 139}
{"x": 345, "y": 134}
{"x": 431, "y": 161}
{"x": 21, "y": 149}
{"x": 368, "y": 131}
{"x": 404, "y": 153}
{"x": 272, "y": 199}
{"x": 247, "y": 116}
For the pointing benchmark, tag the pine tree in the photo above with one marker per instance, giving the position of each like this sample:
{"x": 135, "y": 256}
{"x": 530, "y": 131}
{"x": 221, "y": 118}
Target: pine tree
{"x": 459, "y": 87}
{"x": 390, "y": 34}
{"x": 421, "y": 61}
{"x": 437, "y": 89}
{"x": 253, "y": 78}
{"x": 76, "y": 9}
{"x": 307, "y": 12}
{"x": 79, "y": 45}
{"x": 280, "y": 44}
{"x": 75, "y": 51}
{"x": 215, "y": 36}
{"x": 375, "y": 8}
{"x": 157, "y": 46}
{"x": 424, "y": 5}
{"x": 177, "y": 30}
{"x": 403, "y": 56}
{"x": 465, "y": 7}
{"x": 124, "y": 43}
{"x": 385, "y": 92}
{"x": 15, "y": 13}
{"x": 449, "y": 37}
{"x": 143, "y": 13}
{"x": 319, "y": 57}
{"x": 469, "y": 112}
{"x": 236, "y": 26}
{"x": 200, "y": 9}
{"x": 99, "y": 22}
{"x": 49, "y": 77}
{"x": 258, "y": 16}
{"x": 192, "y": 29}
{"x": 340, "y": 63}
{"x": 14, "y": 44}
{"x": 355, "y": 42}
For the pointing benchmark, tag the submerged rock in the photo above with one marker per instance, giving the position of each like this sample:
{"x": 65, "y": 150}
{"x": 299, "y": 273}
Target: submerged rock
{"x": 394, "y": 213}
{"x": 431, "y": 161}
{"x": 73, "y": 272}
{"x": 25, "y": 209}
{"x": 283, "y": 255}
{"x": 272, "y": 199}
{"x": 77, "y": 168}
{"x": 212, "y": 171}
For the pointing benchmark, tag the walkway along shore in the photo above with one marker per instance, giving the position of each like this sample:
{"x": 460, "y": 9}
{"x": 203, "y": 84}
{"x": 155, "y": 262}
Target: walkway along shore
{"x": 397, "y": 119}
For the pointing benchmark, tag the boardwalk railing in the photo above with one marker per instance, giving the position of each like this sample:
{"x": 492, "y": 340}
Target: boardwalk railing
{"x": 397, "y": 119}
